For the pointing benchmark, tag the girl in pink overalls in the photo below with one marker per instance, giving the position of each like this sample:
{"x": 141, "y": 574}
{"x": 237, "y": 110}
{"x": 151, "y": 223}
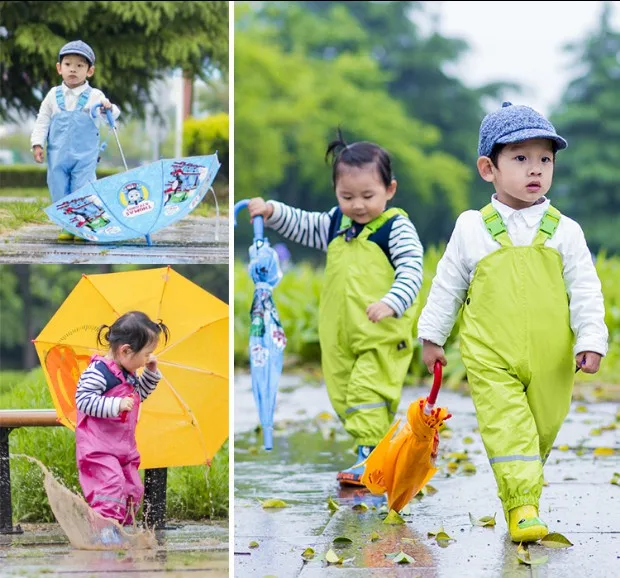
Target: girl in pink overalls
{"x": 108, "y": 397}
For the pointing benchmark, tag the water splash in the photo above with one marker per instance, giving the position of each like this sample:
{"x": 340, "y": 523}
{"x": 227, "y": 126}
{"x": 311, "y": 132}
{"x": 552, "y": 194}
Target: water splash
{"x": 81, "y": 524}
{"x": 209, "y": 492}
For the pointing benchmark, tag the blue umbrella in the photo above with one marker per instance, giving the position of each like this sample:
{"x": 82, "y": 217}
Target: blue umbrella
{"x": 267, "y": 338}
{"x": 136, "y": 202}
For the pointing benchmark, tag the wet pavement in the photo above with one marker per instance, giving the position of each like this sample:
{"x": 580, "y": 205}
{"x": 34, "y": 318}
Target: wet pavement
{"x": 310, "y": 446}
{"x": 192, "y": 240}
{"x": 188, "y": 550}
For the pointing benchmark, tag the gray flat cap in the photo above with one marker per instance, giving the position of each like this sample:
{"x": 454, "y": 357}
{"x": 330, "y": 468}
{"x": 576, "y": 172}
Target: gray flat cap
{"x": 515, "y": 123}
{"x": 78, "y": 47}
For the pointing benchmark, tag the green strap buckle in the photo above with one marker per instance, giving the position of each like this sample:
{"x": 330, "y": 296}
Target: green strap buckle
{"x": 549, "y": 223}
{"x": 494, "y": 224}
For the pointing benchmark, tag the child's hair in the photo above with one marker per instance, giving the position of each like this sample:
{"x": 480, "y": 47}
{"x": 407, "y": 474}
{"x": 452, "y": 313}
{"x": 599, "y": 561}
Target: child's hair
{"x": 359, "y": 154}
{"x": 133, "y": 328}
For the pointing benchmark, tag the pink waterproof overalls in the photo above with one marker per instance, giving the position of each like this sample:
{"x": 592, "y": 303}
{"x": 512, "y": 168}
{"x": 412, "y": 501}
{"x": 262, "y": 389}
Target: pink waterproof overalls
{"x": 107, "y": 455}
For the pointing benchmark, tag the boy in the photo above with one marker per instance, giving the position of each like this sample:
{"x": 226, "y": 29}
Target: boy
{"x": 65, "y": 124}
{"x": 532, "y": 306}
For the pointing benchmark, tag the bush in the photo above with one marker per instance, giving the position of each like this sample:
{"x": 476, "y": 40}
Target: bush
{"x": 205, "y": 136}
{"x": 34, "y": 176}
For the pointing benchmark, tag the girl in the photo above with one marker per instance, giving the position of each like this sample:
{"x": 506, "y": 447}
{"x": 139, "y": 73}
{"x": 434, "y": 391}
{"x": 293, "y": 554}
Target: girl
{"x": 108, "y": 397}
{"x": 373, "y": 275}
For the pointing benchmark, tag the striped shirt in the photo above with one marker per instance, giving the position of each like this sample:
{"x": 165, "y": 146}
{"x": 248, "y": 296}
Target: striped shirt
{"x": 97, "y": 379}
{"x": 398, "y": 239}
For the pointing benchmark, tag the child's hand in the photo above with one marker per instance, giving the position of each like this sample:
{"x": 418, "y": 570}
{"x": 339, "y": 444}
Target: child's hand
{"x": 588, "y": 361}
{"x": 378, "y": 311}
{"x": 432, "y": 353}
{"x": 105, "y": 103}
{"x": 37, "y": 153}
{"x": 258, "y": 207}
{"x": 151, "y": 363}
{"x": 127, "y": 404}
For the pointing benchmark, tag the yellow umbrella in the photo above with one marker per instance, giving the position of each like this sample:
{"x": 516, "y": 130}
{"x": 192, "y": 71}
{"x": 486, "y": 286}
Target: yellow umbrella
{"x": 185, "y": 420}
{"x": 403, "y": 464}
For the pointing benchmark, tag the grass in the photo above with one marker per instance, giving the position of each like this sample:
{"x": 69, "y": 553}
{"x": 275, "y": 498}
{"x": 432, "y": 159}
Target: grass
{"x": 16, "y": 214}
{"x": 194, "y": 493}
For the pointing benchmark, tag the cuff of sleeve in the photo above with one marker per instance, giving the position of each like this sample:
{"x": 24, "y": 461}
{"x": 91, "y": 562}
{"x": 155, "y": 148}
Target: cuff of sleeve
{"x": 277, "y": 213}
{"x": 435, "y": 338}
{"x": 590, "y": 343}
{"x": 153, "y": 375}
{"x": 116, "y": 406}
{"x": 393, "y": 305}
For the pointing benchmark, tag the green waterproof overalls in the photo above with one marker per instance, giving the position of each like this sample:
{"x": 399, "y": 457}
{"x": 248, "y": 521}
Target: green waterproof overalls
{"x": 516, "y": 343}
{"x": 364, "y": 363}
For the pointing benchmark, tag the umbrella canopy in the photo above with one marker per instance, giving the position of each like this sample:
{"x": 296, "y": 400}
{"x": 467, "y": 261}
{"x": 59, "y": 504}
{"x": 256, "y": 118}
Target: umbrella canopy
{"x": 267, "y": 337}
{"x": 185, "y": 420}
{"x": 403, "y": 464}
{"x": 136, "y": 202}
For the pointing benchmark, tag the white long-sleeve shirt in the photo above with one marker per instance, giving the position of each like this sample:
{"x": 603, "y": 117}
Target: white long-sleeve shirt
{"x": 49, "y": 108}
{"x": 404, "y": 248}
{"x": 97, "y": 379}
{"x": 470, "y": 242}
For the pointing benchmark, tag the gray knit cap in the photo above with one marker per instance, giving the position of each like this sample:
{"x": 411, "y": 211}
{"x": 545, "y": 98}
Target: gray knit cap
{"x": 514, "y": 123}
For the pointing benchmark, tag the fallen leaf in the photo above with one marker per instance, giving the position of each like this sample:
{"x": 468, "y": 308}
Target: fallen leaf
{"x": 408, "y": 540}
{"x": 433, "y": 534}
{"x": 333, "y": 506}
{"x": 446, "y": 433}
{"x": 308, "y": 554}
{"x": 375, "y": 536}
{"x": 452, "y": 467}
{"x": 443, "y": 539}
{"x": 253, "y": 544}
{"x": 332, "y": 558}
{"x": 458, "y": 456}
{"x": 468, "y": 440}
{"x": 581, "y": 409}
{"x": 595, "y": 432}
{"x": 563, "y": 448}
{"x": 342, "y": 540}
{"x": 274, "y": 504}
{"x": 402, "y": 558}
{"x": 615, "y": 479}
{"x": 361, "y": 506}
{"x": 430, "y": 490}
{"x": 523, "y": 555}
{"x": 469, "y": 468}
{"x": 484, "y": 521}
{"x": 393, "y": 518}
{"x": 604, "y": 452}
{"x": 555, "y": 540}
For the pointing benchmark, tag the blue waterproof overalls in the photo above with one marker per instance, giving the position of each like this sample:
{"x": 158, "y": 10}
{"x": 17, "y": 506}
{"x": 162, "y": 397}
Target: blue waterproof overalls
{"x": 72, "y": 147}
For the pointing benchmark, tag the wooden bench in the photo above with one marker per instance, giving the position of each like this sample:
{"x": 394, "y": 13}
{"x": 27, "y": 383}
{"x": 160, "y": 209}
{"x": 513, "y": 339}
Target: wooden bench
{"x": 155, "y": 480}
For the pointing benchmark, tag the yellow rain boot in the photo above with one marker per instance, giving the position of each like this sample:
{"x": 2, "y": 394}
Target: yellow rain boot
{"x": 525, "y": 525}
{"x": 65, "y": 236}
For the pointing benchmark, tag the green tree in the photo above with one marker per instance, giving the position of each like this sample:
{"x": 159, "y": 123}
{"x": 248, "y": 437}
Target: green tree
{"x": 135, "y": 43}
{"x": 588, "y": 171}
{"x": 288, "y": 104}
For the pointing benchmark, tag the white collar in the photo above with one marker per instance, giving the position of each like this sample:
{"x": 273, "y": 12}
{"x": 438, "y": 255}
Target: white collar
{"x": 77, "y": 90}
{"x": 532, "y": 215}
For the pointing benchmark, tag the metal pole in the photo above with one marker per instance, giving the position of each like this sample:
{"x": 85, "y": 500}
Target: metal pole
{"x": 6, "y": 510}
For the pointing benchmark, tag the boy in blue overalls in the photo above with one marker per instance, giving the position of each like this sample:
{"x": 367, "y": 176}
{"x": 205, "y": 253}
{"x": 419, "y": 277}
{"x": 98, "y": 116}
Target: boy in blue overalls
{"x": 64, "y": 122}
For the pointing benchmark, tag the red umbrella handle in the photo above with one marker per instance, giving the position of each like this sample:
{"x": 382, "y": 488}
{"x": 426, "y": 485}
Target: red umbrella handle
{"x": 432, "y": 398}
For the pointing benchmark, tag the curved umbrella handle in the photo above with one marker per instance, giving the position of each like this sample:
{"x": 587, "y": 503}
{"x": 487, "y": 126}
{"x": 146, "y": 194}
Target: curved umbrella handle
{"x": 256, "y": 221}
{"x": 108, "y": 113}
{"x": 432, "y": 398}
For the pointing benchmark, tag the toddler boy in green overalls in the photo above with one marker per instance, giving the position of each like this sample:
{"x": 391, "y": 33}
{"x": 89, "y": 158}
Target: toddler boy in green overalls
{"x": 532, "y": 309}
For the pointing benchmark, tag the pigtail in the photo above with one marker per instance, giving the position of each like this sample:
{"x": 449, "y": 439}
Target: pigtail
{"x": 164, "y": 330}
{"x": 336, "y": 147}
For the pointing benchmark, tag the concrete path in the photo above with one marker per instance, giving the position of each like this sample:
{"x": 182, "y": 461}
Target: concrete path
{"x": 310, "y": 446}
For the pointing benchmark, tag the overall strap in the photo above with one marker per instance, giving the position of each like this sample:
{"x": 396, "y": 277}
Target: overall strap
{"x": 60, "y": 98}
{"x": 382, "y": 219}
{"x": 81, "y": 103}
{"x": 495, "y": 225}
{"x": 548, "y": 225}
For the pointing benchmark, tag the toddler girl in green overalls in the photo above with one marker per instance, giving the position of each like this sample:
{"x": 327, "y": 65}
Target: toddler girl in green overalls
{"x": 372, "y": 277}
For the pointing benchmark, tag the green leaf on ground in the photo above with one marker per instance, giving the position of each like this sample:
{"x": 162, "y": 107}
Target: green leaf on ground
{"x": 333, "y": 506}
{"x": 469, "y": 468}
{"x": 393, "y": 518}
{"x": 342, "y": 540}
{"x": 484, "y": 521}
{"x": 253, "y": 544}
{"x": 332, "y": 558}
{"x": 604, "y": 452}
{"x": 458, "y": 456}
{"x": 429, "y": 490}
{"x": 555, "y": 540}
{"x": 443, "y": 539}
{"x": 308, "y": 554}
{"x": 362, "y": 507}
{"x": 523, "y": 555}
{"x": 615, "y": 479}
{"x": 402, "y": 558}
{"x": 433, "y": 534}
{"x": 272, "y": 503}
{"x": 468, "y": 440}
{"x": 581, "y": 409}
{"x": 375, "y": 536}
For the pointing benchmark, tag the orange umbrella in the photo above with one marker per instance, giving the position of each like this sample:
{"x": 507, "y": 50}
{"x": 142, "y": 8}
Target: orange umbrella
{"x": 403, "y": 464}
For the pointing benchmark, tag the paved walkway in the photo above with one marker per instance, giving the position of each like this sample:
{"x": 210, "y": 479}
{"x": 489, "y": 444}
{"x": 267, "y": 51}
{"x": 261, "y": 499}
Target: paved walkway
{"x": 310, "y": 446}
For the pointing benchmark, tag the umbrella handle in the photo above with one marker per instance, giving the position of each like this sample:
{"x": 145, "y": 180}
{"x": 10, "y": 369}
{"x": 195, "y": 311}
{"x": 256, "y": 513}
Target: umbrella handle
{"x": 257, "y": 221}
{"x": 108, "y": 113}
{"x": 432, "y": 398}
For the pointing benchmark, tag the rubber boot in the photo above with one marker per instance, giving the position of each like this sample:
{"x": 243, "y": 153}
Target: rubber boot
{"x": 353, "y": 475}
